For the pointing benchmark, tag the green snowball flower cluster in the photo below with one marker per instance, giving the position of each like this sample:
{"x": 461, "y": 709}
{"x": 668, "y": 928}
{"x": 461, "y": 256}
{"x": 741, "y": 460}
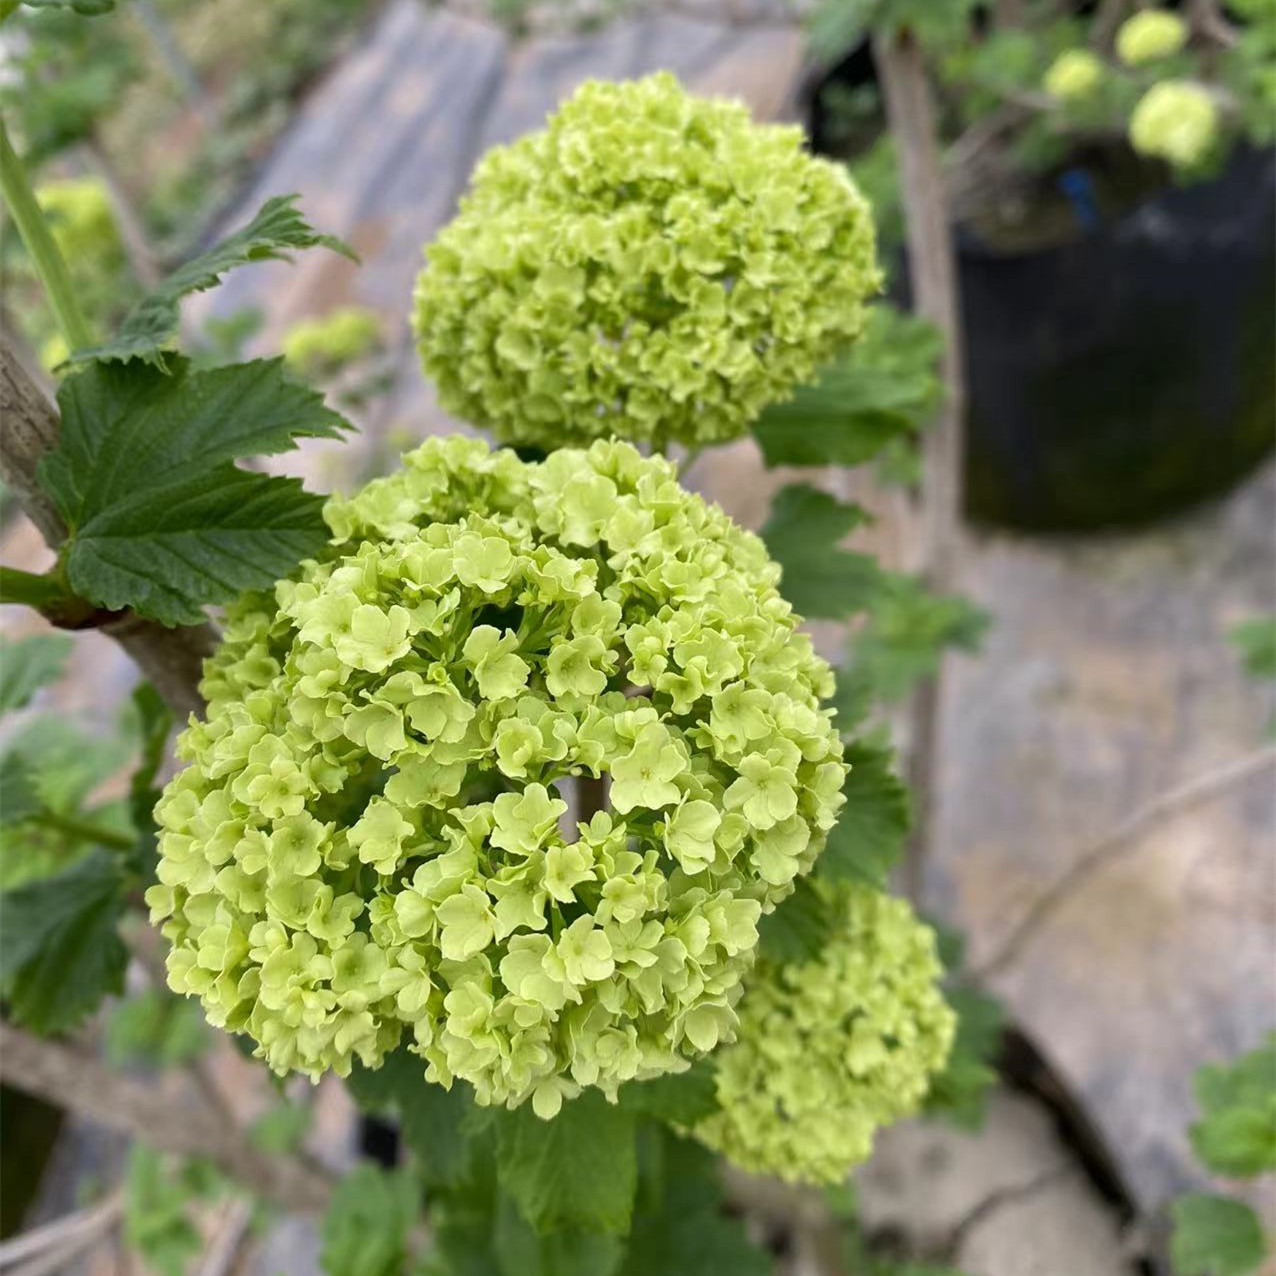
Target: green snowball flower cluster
{"x": 652, "y": 265}
{"x": 1073, "y": 75}
{"x": 1149, "y": 36}
{"x": 316, "y": 346}
{"x": 1176, "y": 120}
{"x": 82, "y": 221}
{"x": 371, "y": 837}
{"x": 830, "y": 1049}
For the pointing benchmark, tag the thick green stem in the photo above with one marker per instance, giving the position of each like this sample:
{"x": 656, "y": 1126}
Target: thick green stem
{"x": 83, "y": 830}
{"x": 15, "y": 186}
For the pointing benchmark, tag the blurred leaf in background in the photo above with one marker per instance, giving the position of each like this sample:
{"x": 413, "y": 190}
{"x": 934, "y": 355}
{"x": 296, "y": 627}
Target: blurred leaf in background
{"x": 1215, "y": 1236}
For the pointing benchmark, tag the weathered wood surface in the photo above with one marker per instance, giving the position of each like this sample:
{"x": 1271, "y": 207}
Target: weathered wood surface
{"x": 1105, "y": 681}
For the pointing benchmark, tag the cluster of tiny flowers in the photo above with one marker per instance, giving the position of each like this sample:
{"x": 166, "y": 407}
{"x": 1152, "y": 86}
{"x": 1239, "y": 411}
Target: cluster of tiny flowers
{"x": 370, "y": 839}
{"x": 829, "y": 1050}
{"x": 1149, "y": 36}
{"x": 1073, "y": 75}
{"x": 1177, "y": 121}
{"x": 651, "y": 266}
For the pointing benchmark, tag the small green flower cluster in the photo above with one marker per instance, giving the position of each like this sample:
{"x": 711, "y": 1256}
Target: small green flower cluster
{"x": 371, "y": 837}
{"x": 1177, "y": 121}
{"x": 1149, "y": 36}
{"x": 830, "y": 1049}
{"x": 1073, "y": 75}
{"x": 318, "y": 346}
{"x": 651, "y": 266}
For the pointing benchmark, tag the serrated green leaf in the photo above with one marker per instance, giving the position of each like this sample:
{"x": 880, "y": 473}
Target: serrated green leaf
{"x": 19, "y": 799}
{"x": 681, "y": 1098}
{"x": 1215, "y": 1236}
{"x": 681, "y": 1226}
{"x": 522, "y": 1251}
{"x": 905, "y": 636}
{"x": 151, "y": 325}
{"x": 161, "y": 519}
{"x": 1236, "y": 1135}
{"x": 434, "y": 1122}
{"x": 27, "y": 664}
{"x": 60, "y": 953}
{"x": 802, "y": 534}
{"x": 959, "y": 1093}
{"x": 798, "y": 928}
{"x": 578, "y": 1171}
{"x": 866, "y": 842}
{"x": 365, "y": 1230}
{"x": 882, "y": 392}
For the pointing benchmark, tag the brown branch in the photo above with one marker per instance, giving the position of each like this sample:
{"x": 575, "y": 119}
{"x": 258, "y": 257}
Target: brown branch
{"x": 911, "y": 117}
{"x": 1123, "y": 838}
{"x": 82, "y": 1084}
{"x": 65, "y": 1236}
{"x": 170, "y": 658}
{"x": 1107, "y": 18}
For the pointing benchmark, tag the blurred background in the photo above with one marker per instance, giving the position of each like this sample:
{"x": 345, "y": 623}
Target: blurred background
{"x": 1102, "y": 813}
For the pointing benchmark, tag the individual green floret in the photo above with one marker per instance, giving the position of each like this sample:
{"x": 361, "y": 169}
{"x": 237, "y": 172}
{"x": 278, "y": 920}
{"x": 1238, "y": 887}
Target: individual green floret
{"x": 1150, "y": 36}
{"x": 374, "y": 837}
{"x": 830, "y": 1049}
{"x": 652, "y": 265}
{"x": 1176, "y": 120}
{"x": 1073, "y": 75}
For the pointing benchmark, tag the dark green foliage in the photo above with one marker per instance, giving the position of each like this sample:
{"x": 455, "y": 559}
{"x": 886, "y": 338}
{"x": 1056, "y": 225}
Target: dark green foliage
{"x": 798, "y": 928}
{"x": 60, "y": 953}
{"x": 1255, "y": 641}
{"x": 883, "y": 391}
{"x": 681, "y": 1098}
{"x": 161, "y": 519}
{"x": 959, "y": 1093}
{"x": 803, "y": 534}
{"x": 577, "y": 1172}
{"x": 434, "y": 1122}
{"x": 150, "y": 327}
{"x": 869, "y": 835}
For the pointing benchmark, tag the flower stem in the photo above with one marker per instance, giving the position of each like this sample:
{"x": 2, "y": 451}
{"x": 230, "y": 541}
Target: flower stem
{"x": 15, "y": 186}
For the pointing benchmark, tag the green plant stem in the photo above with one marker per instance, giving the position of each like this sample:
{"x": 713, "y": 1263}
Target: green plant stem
{"x": 83, "y": 830}
{"x": 15, "y": 186}
{"x": 17, "y": 586}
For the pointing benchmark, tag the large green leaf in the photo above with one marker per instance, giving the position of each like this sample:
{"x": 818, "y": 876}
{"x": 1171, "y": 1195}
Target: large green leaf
{"x": 1215, "y": 1236}
{"x": 884, "y": 390}
{"x": 866, "y": 842}
{"x": 680, "y": 1226}
{"x": 161, "y": 519}
{"x": 365, "y": 1231}
{"x": 27, "y": 664}
{"x": 151, "y": 325}
{"x": 59, "y": 950}
{"x": 578, "y": 1171}
{"x": 1236, "y": 1135}
{"x": 677, "y": 1098}
{"x": 433, "y": 1121}
{"x": 959, "y": 1093}
{"x": 799, "y": 927}
{"x": 803, "y": 534}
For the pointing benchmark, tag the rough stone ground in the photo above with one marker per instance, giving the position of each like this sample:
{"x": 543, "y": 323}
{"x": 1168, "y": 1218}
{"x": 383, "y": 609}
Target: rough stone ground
{"x": 1105, "y": 681}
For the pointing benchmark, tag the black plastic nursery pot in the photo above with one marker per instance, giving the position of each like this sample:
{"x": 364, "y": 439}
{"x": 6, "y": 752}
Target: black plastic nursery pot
{"x": 1130, "y": 373}
{"x": 1126, "y": 371}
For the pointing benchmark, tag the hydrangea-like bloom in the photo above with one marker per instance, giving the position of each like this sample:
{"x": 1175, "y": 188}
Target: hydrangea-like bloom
{"x": 1073, "y": 75}
{"x": 1149, "y": 36}
{"x": 652, "y": 265}
{"x": 830, "y": 1049}
{"x": 1176, "y": 120}
{"x": 370, "y": 837}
